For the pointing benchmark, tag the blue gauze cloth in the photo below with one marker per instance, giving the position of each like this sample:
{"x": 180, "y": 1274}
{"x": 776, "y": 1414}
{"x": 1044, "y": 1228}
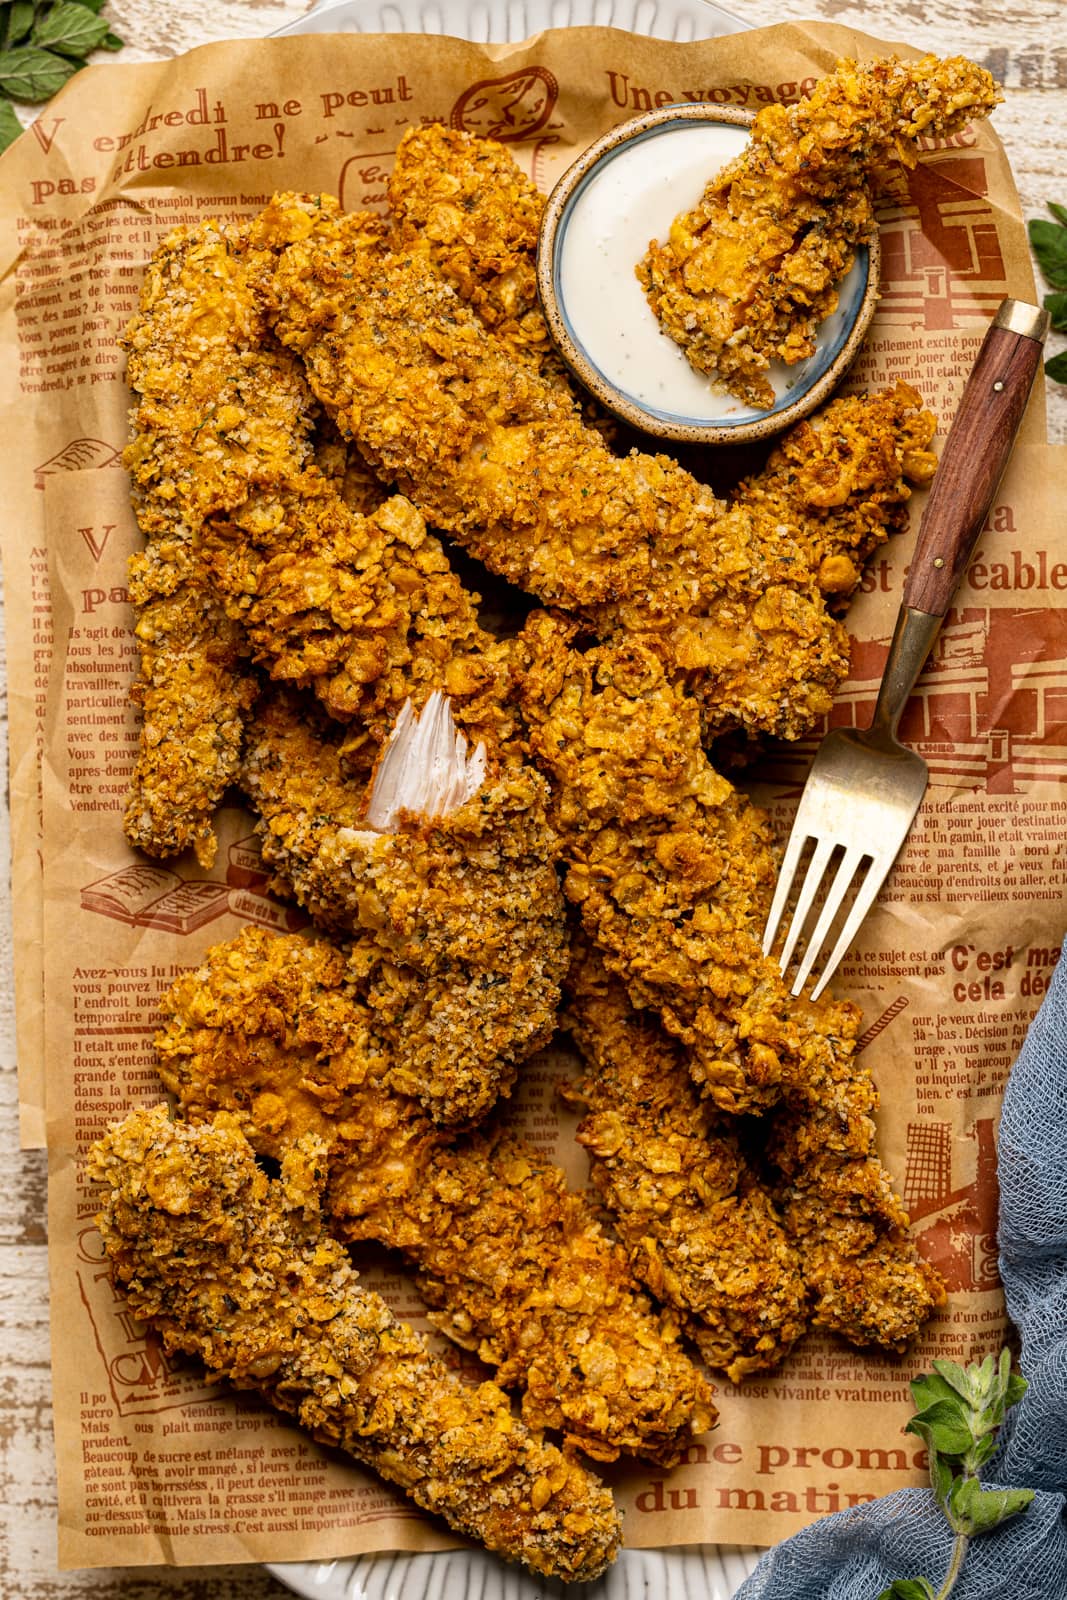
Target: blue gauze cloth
{"x": 855, "y": 1554}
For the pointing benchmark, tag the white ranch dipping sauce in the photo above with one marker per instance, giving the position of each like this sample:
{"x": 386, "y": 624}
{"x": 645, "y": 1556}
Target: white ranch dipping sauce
{"x": 629, "y": 199}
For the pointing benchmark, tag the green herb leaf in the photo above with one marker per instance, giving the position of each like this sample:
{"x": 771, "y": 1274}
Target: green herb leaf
{"x": 1059, "y": 212}
{"x": 955, "y": 1377}
{"x": 71, "y": 29}
{"x": 1049, "y": 243}
{"x": 33, "y": 75}
{"x": 10, "y": 126}
{"x": 92, "y": 5}
{"x": 908, "y": 1589}
{"x": 940, "y": 1478}
{"x": 111, "y": 41}
{"x": 929, "y": 1388}
{"x": 20, "y": 17}
{"x": 1017, "y": 1385}
{"x": 1057, "y": 367}
{"x": 976, "y": 1510}
{"x": 943, "y": 1428}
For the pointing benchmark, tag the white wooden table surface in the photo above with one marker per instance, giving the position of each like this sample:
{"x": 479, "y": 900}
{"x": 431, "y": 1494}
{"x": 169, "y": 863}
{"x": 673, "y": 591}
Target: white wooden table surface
{"x": 1023, "y": 45}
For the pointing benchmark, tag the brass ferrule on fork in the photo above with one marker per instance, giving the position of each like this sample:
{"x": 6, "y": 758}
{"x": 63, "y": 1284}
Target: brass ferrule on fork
{"x": 913, "y": 639}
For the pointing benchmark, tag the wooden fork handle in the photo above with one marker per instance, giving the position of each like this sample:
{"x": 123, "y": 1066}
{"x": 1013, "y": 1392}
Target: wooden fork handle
{"x": 975, "y": 455}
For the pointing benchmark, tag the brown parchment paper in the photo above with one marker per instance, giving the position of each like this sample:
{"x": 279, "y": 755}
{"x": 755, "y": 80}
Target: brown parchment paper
{"x": 155, "y": 1465}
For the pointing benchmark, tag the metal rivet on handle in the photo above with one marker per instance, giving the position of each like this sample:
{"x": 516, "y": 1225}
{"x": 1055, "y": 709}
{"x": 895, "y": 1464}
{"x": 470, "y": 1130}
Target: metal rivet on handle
{"x": 938, "y": 561}
{"x": 998, "y": 386}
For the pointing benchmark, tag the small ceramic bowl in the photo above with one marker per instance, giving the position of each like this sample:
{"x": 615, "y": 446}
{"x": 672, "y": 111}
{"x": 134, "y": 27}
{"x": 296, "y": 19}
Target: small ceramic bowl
{"x": 626, "y": 189}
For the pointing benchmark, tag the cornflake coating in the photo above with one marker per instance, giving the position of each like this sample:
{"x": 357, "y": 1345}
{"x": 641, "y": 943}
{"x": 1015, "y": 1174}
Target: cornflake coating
{"x": 671, "y": 871}
{"x": 741, "y": 607}
{"x": 252, "y": 549}
{"x": 194, "y": 691}
{"x": 491, "y": 452}
{"x": 232, "y": 1268}
{"x": 699, "y": 1229}
{"x": 670, "y": 867}
{"x": 747, "y": 276}
{"x": 196, "y": 361}
{"x": 464, "y": 201}
{"x": 515, "y": 1264}
{"x": 489, "y": 449}
{"x": 866, "y": 1279}
{"x": 841, "y": 480}
{"x": 456, "y": 924}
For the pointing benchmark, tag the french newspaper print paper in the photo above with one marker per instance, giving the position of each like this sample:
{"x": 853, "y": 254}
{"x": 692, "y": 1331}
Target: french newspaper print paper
{"x": 155, "y": 1464}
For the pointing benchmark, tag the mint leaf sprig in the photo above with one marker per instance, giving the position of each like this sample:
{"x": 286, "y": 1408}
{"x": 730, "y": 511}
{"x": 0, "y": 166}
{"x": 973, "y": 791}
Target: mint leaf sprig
{"x": 959, "y": 1411}
{"x": 42, "y": 44}
{"x": 1048, "y": 240}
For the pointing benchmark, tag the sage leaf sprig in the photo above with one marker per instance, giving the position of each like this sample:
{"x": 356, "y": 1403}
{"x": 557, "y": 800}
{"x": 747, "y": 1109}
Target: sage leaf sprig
{"x": 1048, "y": 240}
{"x": 42, "y": 44}
{"x": 959, "y": 1411}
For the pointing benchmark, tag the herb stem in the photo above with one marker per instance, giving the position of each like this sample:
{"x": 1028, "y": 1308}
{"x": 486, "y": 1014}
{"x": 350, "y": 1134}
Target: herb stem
{"x": 959, "y": 1551}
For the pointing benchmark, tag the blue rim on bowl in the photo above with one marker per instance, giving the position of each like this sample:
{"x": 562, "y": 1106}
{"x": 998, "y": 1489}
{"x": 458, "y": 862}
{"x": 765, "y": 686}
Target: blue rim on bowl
{"x": 806, "y": 385}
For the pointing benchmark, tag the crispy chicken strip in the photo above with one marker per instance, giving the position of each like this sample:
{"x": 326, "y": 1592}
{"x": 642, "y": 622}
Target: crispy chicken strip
{"x": 233, "y": 1269}
{"x": 671, "y": 870}
{"x": 670, "y": 867}
{"x": 698, "y": 1227}
{"x": 493, "y": 454}
{"x": 841, "y": 480}
{"x": 456, "y": 923}
{"x": 517, "y": 1266}
{"x": 490, "y": 451}
{"x": 866, "y": 1280}
{"x": 747, "y": 276}
{"x": 196, "y": 360}
{"x": 240, "y": 520}
{"x": 741, "y": 606}
{"x": 194, "y": 691}
{"x": 466, "y": 203}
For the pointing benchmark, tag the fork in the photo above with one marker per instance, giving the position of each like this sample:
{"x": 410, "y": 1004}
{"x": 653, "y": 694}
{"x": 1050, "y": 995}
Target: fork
{"x": 865, "y": 787}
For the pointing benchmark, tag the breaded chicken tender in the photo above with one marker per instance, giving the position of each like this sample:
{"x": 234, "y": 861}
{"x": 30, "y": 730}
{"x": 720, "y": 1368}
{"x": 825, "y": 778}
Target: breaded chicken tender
{"x": 495, "y": 455}
{"x": 842, "y": 481}
{"x": 233, "y": 1269}
{"x": 671, "y": 868}
{"x": 516, "y": 1265}
{"x": 700, "y": 1230}
{"x": 215, "y": 407}
{"x": 194, "y": 691}
{"x": 492, "y": 452}
{"x": 866, "y": 1279}
{"x": 253, "y": 551}
{"x": 465, "y": 202}
{"x": 746, "y": 277}
{"x": 455, "y": 923}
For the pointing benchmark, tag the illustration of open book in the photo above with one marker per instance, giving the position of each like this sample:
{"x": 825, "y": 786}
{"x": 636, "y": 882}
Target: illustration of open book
{"x": 152, "y": 897}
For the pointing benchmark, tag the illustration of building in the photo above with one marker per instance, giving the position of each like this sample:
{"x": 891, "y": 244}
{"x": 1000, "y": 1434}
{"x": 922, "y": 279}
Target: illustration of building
{"x": 990, "y": 709}
{"x": 942, "y": 265}
{"x": 955, "y": 1228}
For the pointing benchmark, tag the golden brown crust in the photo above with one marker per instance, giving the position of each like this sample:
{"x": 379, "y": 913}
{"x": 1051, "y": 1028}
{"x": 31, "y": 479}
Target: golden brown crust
{"x": 258, "y": 551}
{"x": 455, "y": 926}
{"x": 842, "y": 481}
{"x": 490, "y": 451}
{"x": 700, "y": 1230}
{"x": 233, "y": 1269}
{"x": 515, "y": 1263}
{"x": 670, "y": 867}
{"x": 747, "y": 276}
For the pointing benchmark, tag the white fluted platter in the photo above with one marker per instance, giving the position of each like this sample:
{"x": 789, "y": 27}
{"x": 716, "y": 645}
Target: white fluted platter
{"x": 701, "y": 1572}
